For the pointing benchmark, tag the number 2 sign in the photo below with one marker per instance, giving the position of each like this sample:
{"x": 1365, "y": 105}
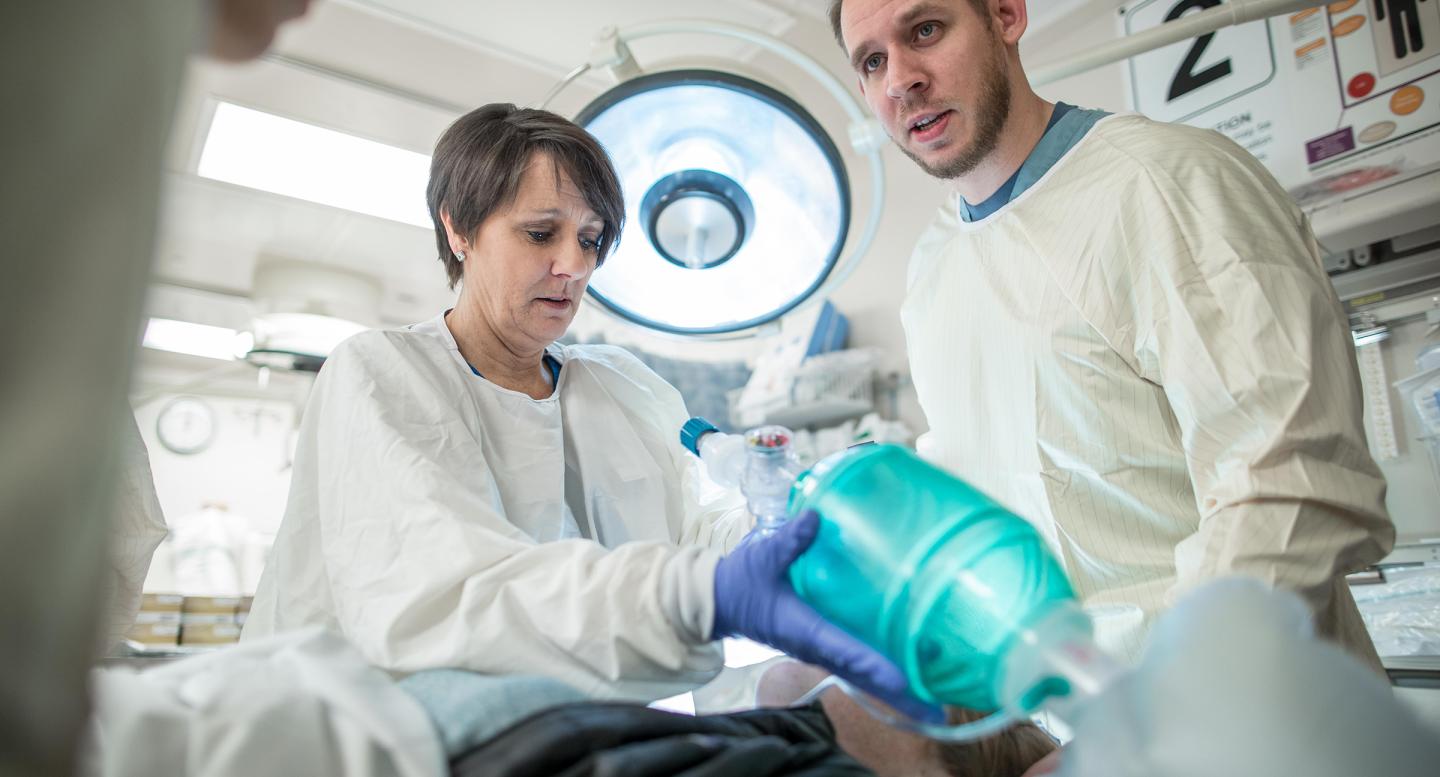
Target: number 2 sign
{"x": 1180, "y": 80}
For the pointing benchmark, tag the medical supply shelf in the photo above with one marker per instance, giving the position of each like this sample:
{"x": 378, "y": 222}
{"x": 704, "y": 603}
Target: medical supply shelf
{"x": 827, "y": 390}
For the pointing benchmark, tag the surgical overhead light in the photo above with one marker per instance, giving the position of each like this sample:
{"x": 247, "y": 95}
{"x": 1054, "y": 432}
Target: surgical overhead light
{"x": 697, "y": 219}
{"x": 738, "y": 202}
{"x": 298, "y": 341}
{"x": 192, "y": 339}
{"x": 304, "y": 309}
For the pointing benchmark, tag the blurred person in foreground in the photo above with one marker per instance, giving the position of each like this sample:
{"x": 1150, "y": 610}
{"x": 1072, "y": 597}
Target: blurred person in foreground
{"x": 90, "y": 91}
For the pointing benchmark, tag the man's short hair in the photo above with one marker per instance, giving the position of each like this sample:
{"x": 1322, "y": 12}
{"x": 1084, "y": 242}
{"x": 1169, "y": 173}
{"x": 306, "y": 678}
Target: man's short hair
{"x": 978, "y": 5}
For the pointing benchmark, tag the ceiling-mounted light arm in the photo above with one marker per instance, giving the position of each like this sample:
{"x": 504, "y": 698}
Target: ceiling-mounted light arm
{"x": 866, "y": 138}
{"x": 608, "y": 53}
{"x": 559, "y": 87}
{"x": 1232, "y": 13}
{"x": 764, "y": 40}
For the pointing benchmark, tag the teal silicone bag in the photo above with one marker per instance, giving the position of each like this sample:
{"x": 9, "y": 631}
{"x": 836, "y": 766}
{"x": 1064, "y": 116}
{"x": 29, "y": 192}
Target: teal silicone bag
{"x": 922, "y": 567}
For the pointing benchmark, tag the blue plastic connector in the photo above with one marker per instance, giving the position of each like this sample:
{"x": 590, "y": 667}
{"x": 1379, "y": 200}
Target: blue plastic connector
{"x": 692, "y": 431}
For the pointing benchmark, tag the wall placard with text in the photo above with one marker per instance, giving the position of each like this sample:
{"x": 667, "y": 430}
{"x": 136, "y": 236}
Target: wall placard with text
{"x": 1348, "y": 87}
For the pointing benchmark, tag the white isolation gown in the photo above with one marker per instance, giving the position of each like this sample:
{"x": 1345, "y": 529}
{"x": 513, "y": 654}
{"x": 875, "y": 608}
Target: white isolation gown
{"x": 428, "y": 520}
{"x": 137, "y": 528}
{"x": 304, "y": 703}
{"x": 1142, "y": 355}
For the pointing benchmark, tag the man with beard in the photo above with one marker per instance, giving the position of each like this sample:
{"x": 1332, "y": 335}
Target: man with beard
{"x": 1121, "y": 330}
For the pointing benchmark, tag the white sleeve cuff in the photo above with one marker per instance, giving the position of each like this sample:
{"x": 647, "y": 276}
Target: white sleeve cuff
{"x": 687, "y": 594}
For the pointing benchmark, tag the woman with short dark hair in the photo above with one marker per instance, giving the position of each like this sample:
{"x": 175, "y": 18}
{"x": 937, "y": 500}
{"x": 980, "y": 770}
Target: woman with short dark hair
{"x": 468, "y": 493}
{"x": 481, "y": 160}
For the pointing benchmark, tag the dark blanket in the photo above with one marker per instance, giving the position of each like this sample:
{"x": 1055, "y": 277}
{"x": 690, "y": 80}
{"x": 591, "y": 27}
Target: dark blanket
{"x": 626, "y": 740}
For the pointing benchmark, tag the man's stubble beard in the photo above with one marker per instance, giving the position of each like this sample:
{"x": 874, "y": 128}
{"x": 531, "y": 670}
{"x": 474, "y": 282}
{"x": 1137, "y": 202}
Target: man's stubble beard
{"x": 989, "y": 119}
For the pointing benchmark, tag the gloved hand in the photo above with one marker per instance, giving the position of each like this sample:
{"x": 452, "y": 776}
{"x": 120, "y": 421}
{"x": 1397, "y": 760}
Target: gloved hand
{"x": 754, "y": 599}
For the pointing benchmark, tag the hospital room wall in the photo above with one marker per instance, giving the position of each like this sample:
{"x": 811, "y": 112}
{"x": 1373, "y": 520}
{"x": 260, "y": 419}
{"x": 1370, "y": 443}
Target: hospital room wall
{"x": 872, "y": 295}
{"x": 246, "y": 465}
{"x": 1104, "y": 87}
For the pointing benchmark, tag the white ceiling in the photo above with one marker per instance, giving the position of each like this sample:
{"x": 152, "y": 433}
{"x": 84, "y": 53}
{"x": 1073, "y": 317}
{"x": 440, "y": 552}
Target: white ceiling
{"x": 396, "y": 71}
{"x": 527, "y": 31}
{"x": 1045, "y": 13}
{"x": 399, "y": 71}
{"x": 554, "y": 36}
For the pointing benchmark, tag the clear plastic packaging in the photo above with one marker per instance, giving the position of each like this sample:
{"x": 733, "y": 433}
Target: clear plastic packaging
{"x": 1403, "y": 613}
{"x": 1424, "y": 389}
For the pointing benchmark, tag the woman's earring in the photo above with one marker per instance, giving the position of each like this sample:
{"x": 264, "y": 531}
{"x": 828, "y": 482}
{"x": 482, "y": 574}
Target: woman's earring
{"x": 459, "y": 256}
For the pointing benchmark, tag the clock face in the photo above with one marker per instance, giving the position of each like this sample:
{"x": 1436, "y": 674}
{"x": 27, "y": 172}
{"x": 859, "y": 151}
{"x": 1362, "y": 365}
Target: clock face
{"x": 186, "y": 425}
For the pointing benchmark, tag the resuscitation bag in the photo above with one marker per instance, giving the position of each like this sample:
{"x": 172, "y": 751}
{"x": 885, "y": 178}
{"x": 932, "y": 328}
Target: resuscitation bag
{"x": 925, "y": 569}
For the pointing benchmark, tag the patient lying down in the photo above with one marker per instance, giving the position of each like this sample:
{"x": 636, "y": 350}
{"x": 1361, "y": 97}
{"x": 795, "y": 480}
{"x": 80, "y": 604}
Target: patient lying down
{"x": 1021, "y": 751}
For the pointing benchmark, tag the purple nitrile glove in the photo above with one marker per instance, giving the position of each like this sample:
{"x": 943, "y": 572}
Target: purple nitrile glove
{"x": 754, "y": 599}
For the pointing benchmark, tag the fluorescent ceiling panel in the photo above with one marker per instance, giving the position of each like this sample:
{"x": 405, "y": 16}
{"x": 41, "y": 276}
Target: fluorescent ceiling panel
{"x": 303, "y": 333}
{"x": 212, "y": 342}
{"x": 262, "y": 151}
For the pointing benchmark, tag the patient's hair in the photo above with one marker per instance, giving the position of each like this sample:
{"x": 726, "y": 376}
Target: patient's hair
{"x": 479, "y": 161}
{"x": 1007, "y": 754}
{"x": 980, "y": 6}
